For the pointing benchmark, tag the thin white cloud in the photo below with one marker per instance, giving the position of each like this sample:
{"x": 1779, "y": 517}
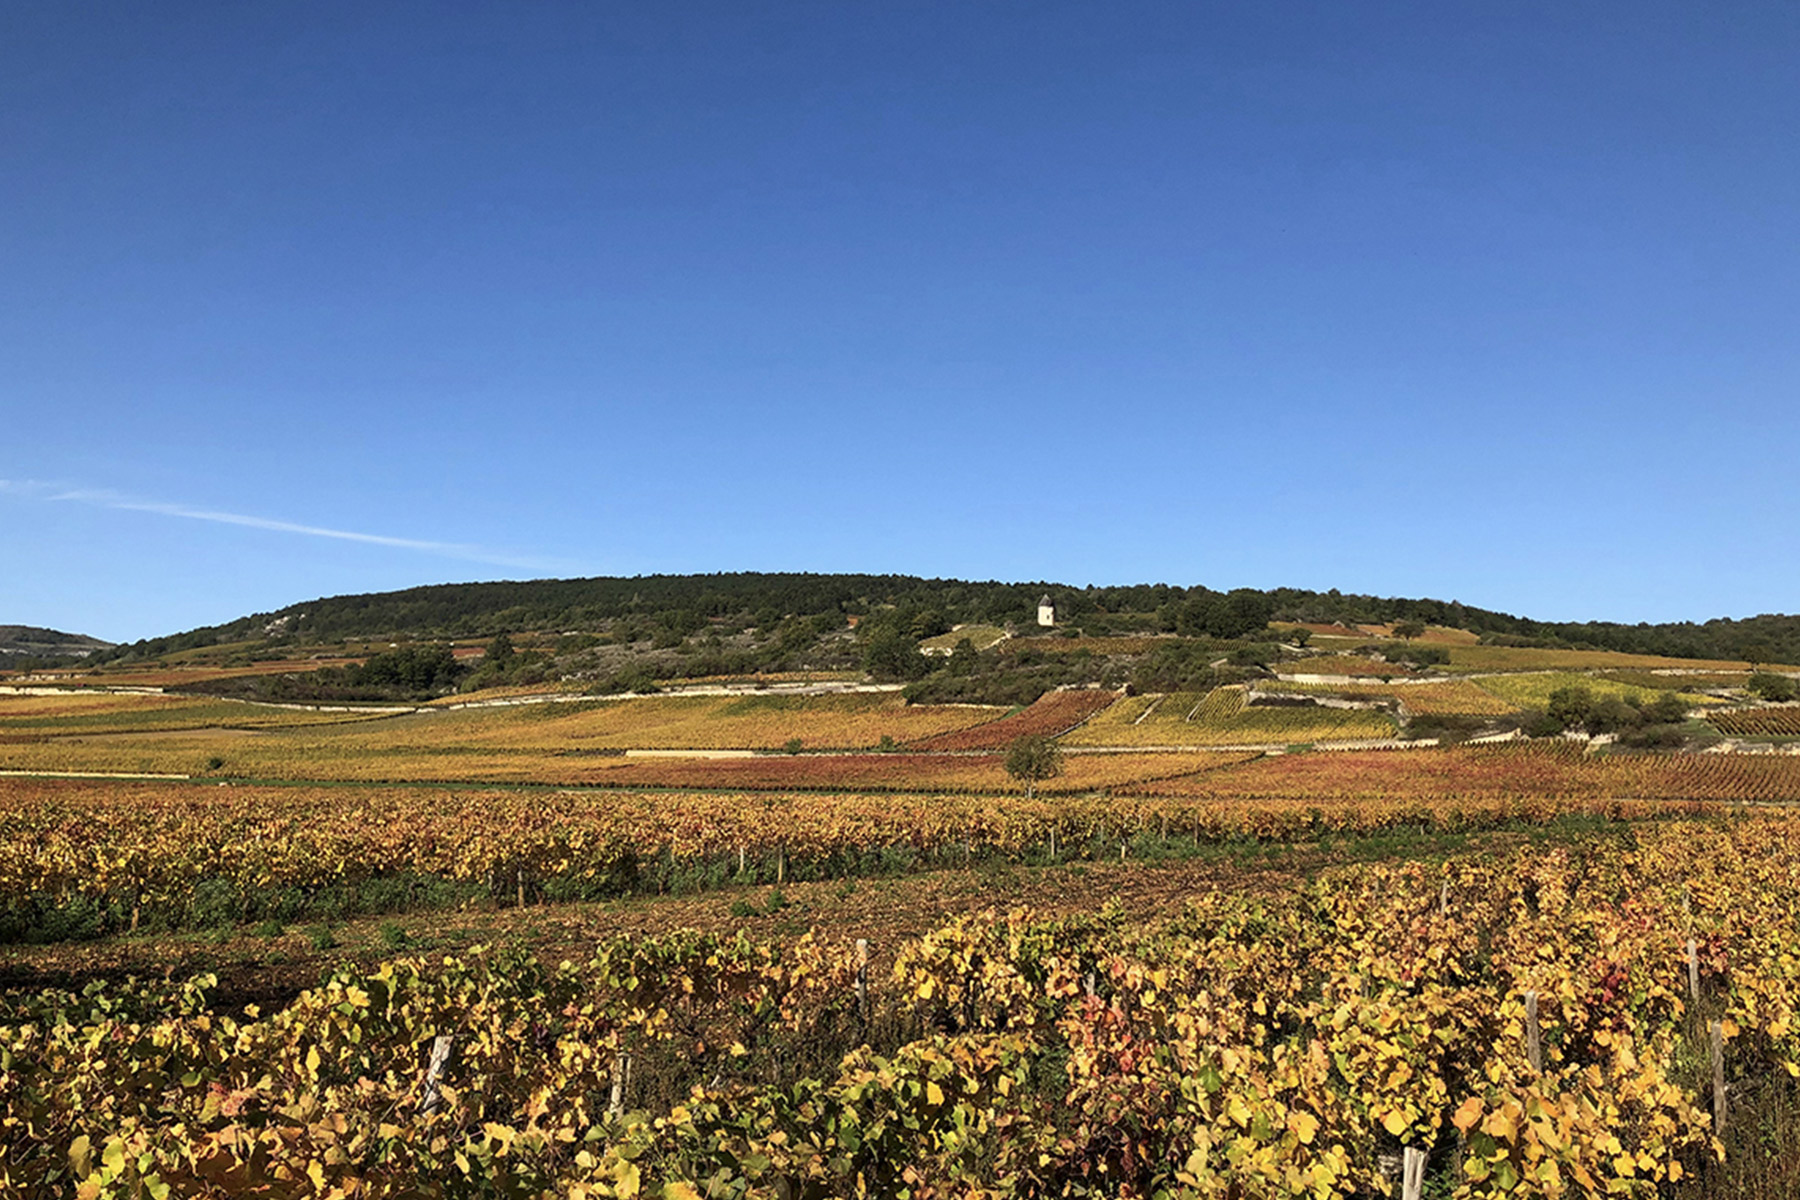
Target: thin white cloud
{"x": 106, "y": 498}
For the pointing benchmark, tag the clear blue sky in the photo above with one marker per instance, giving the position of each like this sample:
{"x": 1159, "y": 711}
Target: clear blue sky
{"x": 1494, "y": 302}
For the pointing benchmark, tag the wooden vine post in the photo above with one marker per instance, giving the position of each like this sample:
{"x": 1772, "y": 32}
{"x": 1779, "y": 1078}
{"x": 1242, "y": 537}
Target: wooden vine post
{"x": 621, "y": 1070}
{"x": 862, "y": 983}
{"x": 1693, "y": 966}
{"x": 1412, "y": 1174}
{"x": 1534, "y": 1038}
{"x": 434, "y": 1073}
{"x": 1715, "y": 1036}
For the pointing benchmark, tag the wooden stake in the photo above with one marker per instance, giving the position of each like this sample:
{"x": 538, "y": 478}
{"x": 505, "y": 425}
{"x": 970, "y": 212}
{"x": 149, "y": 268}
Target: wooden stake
{"x": 1053, "y": 843}
{"x": 862, "y": 981}
{"x": 780, "y": 864}
{"x": 740, "y": 859}
{"x": 1717, "y": 1038}
{"x": 521, "y": 881}
{"x": 1534, "y": 1045}
{"x": 434, "y": 1072}
{"x": 1412, "y": 1174}
{"x": 1693, "y": 964}
{"x": 621, "y": 1066}
{"x": 1444, "y": 899}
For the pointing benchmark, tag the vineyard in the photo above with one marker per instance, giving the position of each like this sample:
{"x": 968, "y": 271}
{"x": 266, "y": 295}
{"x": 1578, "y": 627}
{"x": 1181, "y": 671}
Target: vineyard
{"x": 1598, "y": 1019}
{"x": 111, "y": 857}
{"x": 1346, "y": 664}
{"x": 108, "y": 713}
{"x": 1080, "y": 645}
{"x": 1452, "y": 697}
{"x": 1054, "y": 714}
{"x": 1221, "y": 718}
{"x": 1758, "y": 722}
{"x": 1533, "y": 690}
{"x": 1515, "y": 658}
{"x": 945, "y": 773}
{"x": 1539, "y": 769}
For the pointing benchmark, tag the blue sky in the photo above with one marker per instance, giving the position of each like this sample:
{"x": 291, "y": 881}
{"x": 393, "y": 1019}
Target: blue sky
{"x": 1487, "y": 302}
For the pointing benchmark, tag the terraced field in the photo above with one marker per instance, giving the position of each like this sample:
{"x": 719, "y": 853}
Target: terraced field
{"x": 1452, "y": 697}
{"x": 1758, "y": 722}
{"x": 1533, "y": 691}
{"x": 1221, "y": 718}
{"x": 567, "y": 742}
{"x": 113, "y": 712}
{"x": 1054, "y": 713}
{"x": 1343, "y": 664}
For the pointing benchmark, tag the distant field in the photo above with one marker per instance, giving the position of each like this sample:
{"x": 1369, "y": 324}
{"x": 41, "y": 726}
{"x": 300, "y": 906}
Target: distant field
{"x": 1451, "y": 697}
{"x": 102, "y": 712}
{"x": 1342, "y": 664}
{"x": 553, "y": 743}
{"x": 176, "y": 676}
{"x": 755, "y": 722}
{"x": 983, "y": 773}
{"x": 1757, "y": 722}
{"x": 1091, "y": 645}
{"x": 1220, "y": 718}
{"x": 1436, "y": 635}
{"x": 1053, "y": 714}
{"x": 1516, "y": 771}
{"x": 1515, "y": 658}
{"x": 1684, "y": 681}
{"x": 1533, "y": 691}
{"x": 981, "y": 636}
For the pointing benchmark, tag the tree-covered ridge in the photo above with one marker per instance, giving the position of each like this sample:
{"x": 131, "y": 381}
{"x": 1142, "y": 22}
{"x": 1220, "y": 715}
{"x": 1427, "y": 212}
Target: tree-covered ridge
{"x": 32, "y": 642}
{"x": 686, "y": 603}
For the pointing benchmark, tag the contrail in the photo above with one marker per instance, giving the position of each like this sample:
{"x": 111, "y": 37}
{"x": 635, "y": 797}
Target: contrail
{"x": 105, "y": 498}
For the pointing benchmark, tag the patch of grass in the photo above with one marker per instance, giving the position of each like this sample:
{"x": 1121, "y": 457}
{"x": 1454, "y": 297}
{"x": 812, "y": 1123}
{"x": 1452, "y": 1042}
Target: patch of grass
{"x": 321, "y": 937}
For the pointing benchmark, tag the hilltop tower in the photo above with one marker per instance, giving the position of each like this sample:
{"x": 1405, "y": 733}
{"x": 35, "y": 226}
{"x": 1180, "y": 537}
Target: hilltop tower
{"x": 1046, "y": 612}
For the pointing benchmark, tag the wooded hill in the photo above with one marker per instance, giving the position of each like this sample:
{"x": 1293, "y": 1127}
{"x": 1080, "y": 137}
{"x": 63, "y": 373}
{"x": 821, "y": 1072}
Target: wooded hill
{"x": 687, "y": 603}
{"x": 29, "y": 641}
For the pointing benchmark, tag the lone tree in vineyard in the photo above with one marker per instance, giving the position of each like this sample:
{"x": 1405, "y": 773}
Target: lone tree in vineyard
{"x": 1033, "y": 758}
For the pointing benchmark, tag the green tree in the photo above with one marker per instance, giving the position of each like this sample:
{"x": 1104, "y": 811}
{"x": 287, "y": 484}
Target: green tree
{"x": 1770, "y": 686}
{"x": 500, "y": 651}
{"x": 1666, "y": 709}
{"x": 891, "y": 654}
{"x": 1408, "y": 630}
{"x": 1571, "y": 706}
{"x": 1033, "y": 758}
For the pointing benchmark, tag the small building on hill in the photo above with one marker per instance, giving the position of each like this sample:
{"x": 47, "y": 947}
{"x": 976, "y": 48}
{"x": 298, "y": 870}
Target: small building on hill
{"x": 1046, "y": 612}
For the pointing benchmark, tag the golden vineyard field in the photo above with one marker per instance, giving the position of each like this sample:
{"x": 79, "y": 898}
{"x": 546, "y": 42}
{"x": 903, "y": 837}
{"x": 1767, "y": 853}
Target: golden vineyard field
{"x": 118, "y": 853}
{"x": 1221, "y": 718}
{"x": 1582, "y": 1021}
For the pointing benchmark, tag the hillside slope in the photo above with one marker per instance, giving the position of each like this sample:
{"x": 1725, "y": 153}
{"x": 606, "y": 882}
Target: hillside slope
{"x": 29, "y": 641}
{"x": 686, "y": 603}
